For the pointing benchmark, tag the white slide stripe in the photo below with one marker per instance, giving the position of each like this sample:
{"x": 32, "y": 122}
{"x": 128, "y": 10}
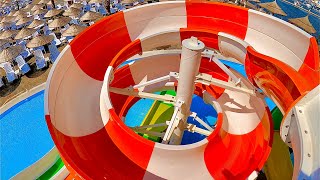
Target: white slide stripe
{"x": 242, "y": 112}
{"x": 179, "y": 162}
{"x": 155, "y": 18}
{"x": 56, "y": 63}
{"x": 144, "y": 69}
{"x": 277, "y": 42}
{"x": 72, "y": 90}
{"x": 231, "y": 46}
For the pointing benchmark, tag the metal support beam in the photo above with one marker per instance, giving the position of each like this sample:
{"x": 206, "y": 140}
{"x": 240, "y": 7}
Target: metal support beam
{"x": 195, "y": 117}
{"x": 152, "y": 133}
{"x": 172, "y": 125}
{"x": 151, "y": 126}
{"x": 130, "y": 92}
{"x": 208, "y": 79}
{"x": 157, "y": 80}
{"x": 193, "y": 128}
{"x": 210, "y": 54}
{"x": 226, "y": 70}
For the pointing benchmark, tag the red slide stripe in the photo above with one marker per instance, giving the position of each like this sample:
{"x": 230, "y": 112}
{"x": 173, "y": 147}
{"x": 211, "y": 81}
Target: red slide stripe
{"x": 209, "y": 38}
{"x": 101, "y": 152}
{"x": 229, "y": 156}
{"x": 136, "y": 148}
{"x": 312, "y": 57}
{"x": 310, "y": 68}
{"x": 94, "y": 48}
{"x": 128, "y": 51}
{"x": 217, "y": 17}
{"x": 277, "y": 78}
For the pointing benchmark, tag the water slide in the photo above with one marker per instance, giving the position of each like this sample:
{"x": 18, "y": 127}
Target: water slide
{"x": 159, "y": 112}
{"x": 87, "y": 95}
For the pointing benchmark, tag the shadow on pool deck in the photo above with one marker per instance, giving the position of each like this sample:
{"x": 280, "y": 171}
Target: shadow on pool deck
{"x": 7, "y": 90}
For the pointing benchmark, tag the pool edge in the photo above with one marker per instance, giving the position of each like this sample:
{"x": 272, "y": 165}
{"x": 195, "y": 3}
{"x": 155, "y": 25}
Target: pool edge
{"x": 22, "y": 97}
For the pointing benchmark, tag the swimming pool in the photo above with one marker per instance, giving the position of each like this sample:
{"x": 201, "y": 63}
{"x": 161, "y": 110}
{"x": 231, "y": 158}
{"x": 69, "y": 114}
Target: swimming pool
{"x": 24, "y": 135}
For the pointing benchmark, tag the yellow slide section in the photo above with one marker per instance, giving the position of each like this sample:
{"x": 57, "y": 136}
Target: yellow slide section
{"x": 278, "y": 165}
{"x": 159, "y": 112}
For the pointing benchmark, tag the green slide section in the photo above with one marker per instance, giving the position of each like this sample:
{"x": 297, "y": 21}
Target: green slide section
{"x": 277, "y": 118}
{"x": 159, "y": 112}
{"x": 52, "y": 171}
{"x": 278, "y": 165}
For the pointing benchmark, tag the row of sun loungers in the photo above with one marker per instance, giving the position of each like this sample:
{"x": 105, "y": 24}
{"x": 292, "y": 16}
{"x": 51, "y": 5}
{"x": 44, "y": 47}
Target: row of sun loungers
{"x": 41, "y": 63}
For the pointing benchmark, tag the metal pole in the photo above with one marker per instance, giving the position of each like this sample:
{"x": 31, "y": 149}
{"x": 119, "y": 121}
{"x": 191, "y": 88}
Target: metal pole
{"x": 189, "y": 68}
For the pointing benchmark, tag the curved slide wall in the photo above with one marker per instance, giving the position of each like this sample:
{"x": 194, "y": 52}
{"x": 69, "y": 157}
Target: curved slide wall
{"x": 97, "y": 145}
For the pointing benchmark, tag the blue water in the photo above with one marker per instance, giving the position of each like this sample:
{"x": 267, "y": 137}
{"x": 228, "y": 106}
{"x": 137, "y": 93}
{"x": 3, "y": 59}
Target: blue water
{"x": 126, "y": 62}
{"x": 206, "y": 112}
{"x": 137, "y": 112}
{"x": 24, "y": 135}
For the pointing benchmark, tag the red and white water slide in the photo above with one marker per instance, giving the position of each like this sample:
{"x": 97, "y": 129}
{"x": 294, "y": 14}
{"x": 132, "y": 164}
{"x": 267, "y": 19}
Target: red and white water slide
{"x": 87, "y": 95}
